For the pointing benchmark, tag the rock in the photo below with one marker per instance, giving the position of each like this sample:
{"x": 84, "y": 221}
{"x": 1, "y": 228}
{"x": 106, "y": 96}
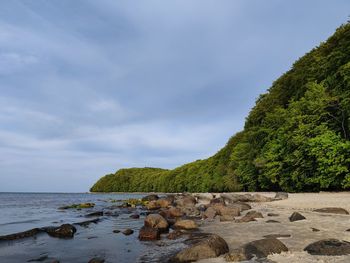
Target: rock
{"x": 152, "y": 197}
{"x": 211, "y": 247}
{"x": 116, "y": 231}
{"x": 20, "y": 235}
{"x": 174, "y": 235}
{"x": 329, "y": 247}
{"x": 204, "y": 197}
{"x": 225, "y": 210}
{"x": 135, "y": 216}
{"x": 263, "y": 247}
{"x": 272, "y": 214}
{"x": 348, "y": 230}
{"x": 245, "y": 219}
{"x": 277, "y": 235}
{"x": 40, "y": 259}
{"x": 272, "y": 221}
{"x": 296, "y": 217}
{"x": 88, "y": 222}
{"x": 333, "y": 210}
{"x": 210, "y": 213}
{"x": 153, "y": 205}
{"x": 185, "y": 200}
{"x": 226, "y": 218}
{"x": 254, "y": 214}
{"x": 191, "y": 211}
{"x": 156, "y": 221}
{"x": 314, "y": 229}
{"x": 243, "y": 206}
{"x": 78, "y": 206}
{"x": 259, "y": 248}
{"x": 261, "y": 198}
{"x": 185, "y": 224}
{"x": 236, "y": 255}
{"x": 148, "y": 233}
{"x": 218, "y": 200}
{"x": 63, "y": 231}
{"x": 98, "y": 213}
{"x": 96, "y": 260}
{"x": 174, "y": 212}
{"x": 163, "y": 203}
{"x": 281, "y": 196}
{"x": 128, "y": 232}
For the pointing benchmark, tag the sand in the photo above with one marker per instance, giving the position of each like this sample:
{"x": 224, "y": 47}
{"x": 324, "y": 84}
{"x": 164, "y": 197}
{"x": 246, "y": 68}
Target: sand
{"x": 330, "y": 226}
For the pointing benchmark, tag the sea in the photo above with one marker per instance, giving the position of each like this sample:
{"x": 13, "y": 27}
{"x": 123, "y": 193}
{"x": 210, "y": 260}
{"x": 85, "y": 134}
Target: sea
{"x": 23, "y": 211}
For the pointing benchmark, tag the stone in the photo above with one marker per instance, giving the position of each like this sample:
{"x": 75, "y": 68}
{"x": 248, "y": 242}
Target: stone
{"x": 185, "y": 224}
{"x": 128, "y": 232}
{"x": 261, "y": 198}
{"x": 135, "y": 216}
{"x": 63, "y": 231}
{"x": 96, "y": 260}
{"x": 296, "y": 217}
{"x": 329, "y": 247}
{"x": 348, "y": 230}
{"x": 218, "y": 200}
{"x": 163, "y": 203}
{"x": 174, "y": 212}
{"x": 153, "y": 205}
{"x": 225, "y": 210}
{"x": 272, "y": 221}
{"x": 281, "y": 196}
{"x": 116, "y": 231}
{"x": 245, "y": 219}
{"x": 97, "y": 213}
{"x": 314, "y": 229}
{"x": 332, "y": 210}
{"x": 272, "y": 214}
{"x": 210, "y": 247}
{"x": 20, "y": 235}
{"x": 254, "y": 214}
{"x": 243, "y": 206}
{"x": 259, "y": 248}
{"x": 210, "y": 213}
{"x": 151, "y": 197}
{"x": 88, "y": 222}
{"x": 156, "y": 221}
{"x": 264, "y": 247}
{"x": 185, "y": 200}
{"x": 148, "y": 233}
{"x": 174, "y": 235}
{"x": 226, "y": 218}
{"x": 78, "y": 206}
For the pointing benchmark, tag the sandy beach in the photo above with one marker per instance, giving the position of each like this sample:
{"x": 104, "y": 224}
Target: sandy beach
{"x": 301, "y": 232}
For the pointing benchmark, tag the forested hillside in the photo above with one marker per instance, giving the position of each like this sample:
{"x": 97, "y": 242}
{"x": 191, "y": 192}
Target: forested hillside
{"x": 296, "y": 138}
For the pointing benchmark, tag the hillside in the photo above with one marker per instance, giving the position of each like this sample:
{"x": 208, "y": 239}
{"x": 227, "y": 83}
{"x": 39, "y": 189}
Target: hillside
{"x": 296, "y": 138}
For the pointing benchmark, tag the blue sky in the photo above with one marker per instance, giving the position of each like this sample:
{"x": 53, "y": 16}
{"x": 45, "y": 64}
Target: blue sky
{"x": 88, "y": 87}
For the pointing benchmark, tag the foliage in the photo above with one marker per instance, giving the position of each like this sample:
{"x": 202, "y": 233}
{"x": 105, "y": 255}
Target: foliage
{"x": 296, "y": 138}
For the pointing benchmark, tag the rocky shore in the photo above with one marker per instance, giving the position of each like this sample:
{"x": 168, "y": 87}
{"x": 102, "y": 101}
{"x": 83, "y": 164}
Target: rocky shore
{"x": 222, "y": 227}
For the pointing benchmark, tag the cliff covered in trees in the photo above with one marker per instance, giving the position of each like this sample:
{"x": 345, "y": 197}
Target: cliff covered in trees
{"x": 296, "y": 138}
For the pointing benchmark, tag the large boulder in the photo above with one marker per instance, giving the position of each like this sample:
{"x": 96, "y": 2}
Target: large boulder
{"x": 296, "y": 217}
{"x": 261, "y": 198}
{"x": 153, "y": 205}
{"x": 185, "y": 224}
{"x": 148, "y": 233}
{"x": 63, "y": 231}
{"x": 259, "y": 248}
{"x": 329, "y": 247}
{"x": 163, "y": 202}
{"x": 332, "y": 210}
{"x": 210, "y": 247}
{"x": 156, "y": 221}
{"x": 174, "y": 212}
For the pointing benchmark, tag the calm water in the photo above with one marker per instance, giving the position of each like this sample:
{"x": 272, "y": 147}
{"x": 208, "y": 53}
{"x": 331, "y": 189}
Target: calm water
{"x": 23, "y": 211}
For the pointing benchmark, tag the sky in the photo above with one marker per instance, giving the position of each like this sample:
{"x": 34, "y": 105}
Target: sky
{"x": 89, "y": 87}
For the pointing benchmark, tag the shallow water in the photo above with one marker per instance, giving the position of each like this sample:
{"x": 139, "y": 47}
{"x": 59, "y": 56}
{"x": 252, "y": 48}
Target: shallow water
{"x": 24, "y": 211}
